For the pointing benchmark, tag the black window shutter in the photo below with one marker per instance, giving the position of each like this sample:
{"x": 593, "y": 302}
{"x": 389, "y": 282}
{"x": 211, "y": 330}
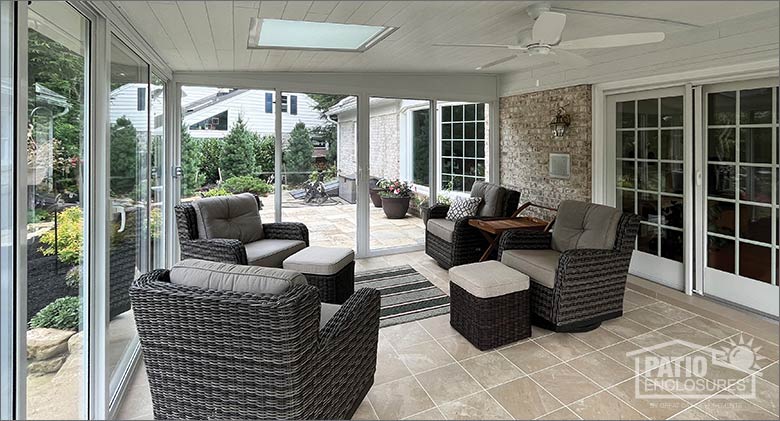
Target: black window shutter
{"x": 293, "y": 105}
{"x": 269, "y": 102}
{"x": 141, "y": 99}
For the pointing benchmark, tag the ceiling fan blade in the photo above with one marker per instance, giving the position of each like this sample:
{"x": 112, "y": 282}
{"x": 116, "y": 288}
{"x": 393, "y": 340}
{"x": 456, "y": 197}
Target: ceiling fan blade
{"x": 548, "y": 28}
{"x": 609, "y": 41}
{"x": 476, "y": 45}
{"x": 496, "y": 63}
{"x": 569, "y": 58}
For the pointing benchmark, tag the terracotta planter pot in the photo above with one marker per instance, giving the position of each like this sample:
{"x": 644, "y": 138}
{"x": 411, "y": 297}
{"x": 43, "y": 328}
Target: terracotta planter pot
{"x": 395, "y": 207}
{"x": 376, "y": 199}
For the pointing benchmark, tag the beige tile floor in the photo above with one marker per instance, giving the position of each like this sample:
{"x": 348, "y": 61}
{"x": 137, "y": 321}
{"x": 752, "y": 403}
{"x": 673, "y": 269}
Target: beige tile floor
{"x": 426, "y": 370}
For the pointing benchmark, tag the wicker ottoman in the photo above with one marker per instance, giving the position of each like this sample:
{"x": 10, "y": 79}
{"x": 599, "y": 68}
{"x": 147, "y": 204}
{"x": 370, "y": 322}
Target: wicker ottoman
{"x": 330, "y": 269}
{"x": 490, "y": 304}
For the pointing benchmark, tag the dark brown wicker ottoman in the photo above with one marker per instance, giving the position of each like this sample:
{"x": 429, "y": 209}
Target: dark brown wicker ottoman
{"x": 490, "y": 304}
{"x": 330, "y": 269}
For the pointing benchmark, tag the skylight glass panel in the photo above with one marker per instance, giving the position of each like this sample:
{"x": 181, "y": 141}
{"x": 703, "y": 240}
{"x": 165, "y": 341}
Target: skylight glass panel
{"x": 303, "y": 35}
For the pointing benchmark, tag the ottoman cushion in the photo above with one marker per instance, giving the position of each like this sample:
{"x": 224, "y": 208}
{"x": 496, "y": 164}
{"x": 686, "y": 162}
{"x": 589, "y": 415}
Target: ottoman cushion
{"x": 488, "y": 279}
{"x": 320, "y": 260}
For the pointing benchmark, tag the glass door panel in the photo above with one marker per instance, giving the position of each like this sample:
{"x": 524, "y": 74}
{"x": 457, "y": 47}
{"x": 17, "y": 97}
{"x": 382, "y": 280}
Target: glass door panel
{"x": 647, "y": 133}
{"x": 741, "y": 203}
{"x": 129, "y": 195}
{"x": 58, "y": 57}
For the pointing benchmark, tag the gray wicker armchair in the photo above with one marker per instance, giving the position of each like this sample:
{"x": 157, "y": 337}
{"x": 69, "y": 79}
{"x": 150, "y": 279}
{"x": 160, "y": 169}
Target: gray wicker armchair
{"x": 578, "y": 271}
{"x": 219, "y": 354}
{"x": 453, "y": 243}
{"x": 286, "y": 239}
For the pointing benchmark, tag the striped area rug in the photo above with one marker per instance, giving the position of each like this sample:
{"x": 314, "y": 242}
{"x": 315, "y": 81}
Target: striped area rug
{"x": 406, "y": 294}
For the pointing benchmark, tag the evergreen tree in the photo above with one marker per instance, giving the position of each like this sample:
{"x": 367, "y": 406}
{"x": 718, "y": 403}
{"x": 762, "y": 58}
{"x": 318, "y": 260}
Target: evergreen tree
{"x": 238, "y": 154}
{"x": 211, "y": 155}
{"x": 192, "y": 178}
{"x": 297, "y": 156}
{"x": 327, "y": 133}
{"x": 265, "y": 150}
{"x": 124, "y": 158}
{"x": 325, "y": 101}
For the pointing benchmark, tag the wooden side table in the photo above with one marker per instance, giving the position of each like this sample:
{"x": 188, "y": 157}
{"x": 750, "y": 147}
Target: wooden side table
{"x": 492, "y": 229}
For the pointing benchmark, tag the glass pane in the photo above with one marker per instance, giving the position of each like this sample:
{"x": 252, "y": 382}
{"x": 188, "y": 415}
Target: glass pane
{"x": 480, "y": 130}
{"x": 57, "y": 67}
{"x": 471, "y": 112}
{"x": 672, "y": 244}
{"x": 647, "y": 145}
{"x": 446, "y": 148}
{"x": 627, "y": 200}
{"x": 722, "y": 108}
{"x": 755, "y": 184}
{"x": 457, "y": 148}
{"x": 457, "y": 113}
{"x": 625, "y": 144}
{"x": 457, "y": 166}
{"x": 647, "y": 240}
{"x": 721, "y": 145}
{"x": 647, "y": 113}
{"x": 129, "y": 198}
{"x": 446, "y": 131}
{"x": 648, "y": 207}
{"x": 672, "y": 111}
{"x": 720, "y": 217}
{"x": 755, "y": 223}
{"x": 480, "y": 111}
{"x": 647, "y": 176}
{"x": 625, "y": 174}
{"x": 624, "y": 116}
{"x": 755, "y": 145}
{"x": 470, "y": 167}
{"x": 720, "y": 254}
{"x": 480, "y": 168}
{"x": 672, "y": 211}
{"x": 755, "y": 106}
{"x": 672, "y": 178}
{"x": 471, "y": 131}
{"x": 470, "y": 148}
{"x": 480, "y": 149}
{"x": 446, "y": 114}
{"x": 457, "y": 130}
{"x": 157, "y": 162}
{"x": 468, "y": 183}
{"x": 446, "y": 165}
{"x": 672, "y": 147}
{"x": 721, "y": 181}
{"x": 457, "y": 183}
{"x": 421, "y": 129}
{"x": 755, "y": 262}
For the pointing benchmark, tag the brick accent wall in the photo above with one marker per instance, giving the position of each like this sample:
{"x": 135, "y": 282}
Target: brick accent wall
{"x": 346, "y": 153}
{"x": 526, "y": 142}
{"x": 384, "y": 142}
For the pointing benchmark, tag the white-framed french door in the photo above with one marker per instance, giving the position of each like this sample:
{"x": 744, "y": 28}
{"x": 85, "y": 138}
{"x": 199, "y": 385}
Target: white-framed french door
{"x": 646, "y": 140}
{"x": 737, "y": 162}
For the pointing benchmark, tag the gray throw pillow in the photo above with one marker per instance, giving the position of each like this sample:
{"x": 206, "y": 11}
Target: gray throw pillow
{"x": 463, "y": 207}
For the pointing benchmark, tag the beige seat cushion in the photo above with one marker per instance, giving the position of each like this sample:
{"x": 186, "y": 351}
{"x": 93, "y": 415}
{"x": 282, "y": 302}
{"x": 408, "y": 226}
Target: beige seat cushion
{"x": 442, "y": 228}
{"x": 539, "y": 265}
{"x": 319, "y": 260}
{"x": 488, "y": 279}
{"x": 582, "y": 225}
{"x": 236, "y": 217}
{"x": 327, "y": 311}
{"x": 271, "y": 252}
{"x": 239, "y": 278}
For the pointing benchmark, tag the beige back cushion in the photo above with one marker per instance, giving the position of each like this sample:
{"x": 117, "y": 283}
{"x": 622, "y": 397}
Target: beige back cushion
{"x": 239, "y": 278}
{"x": 582, "y": 225}
{"x": 492, "y": 198}
{"x": 235, "y": 217}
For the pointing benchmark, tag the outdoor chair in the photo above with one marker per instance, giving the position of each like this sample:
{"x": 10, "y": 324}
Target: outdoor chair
{"x": 229, "y": 229}
{"x": 578, "y": 272}
{"x": 453, "y": 243}
{"x": 223, "y": 341}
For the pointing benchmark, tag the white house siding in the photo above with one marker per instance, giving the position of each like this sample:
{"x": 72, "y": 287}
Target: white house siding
{"x": 124, "y": 103}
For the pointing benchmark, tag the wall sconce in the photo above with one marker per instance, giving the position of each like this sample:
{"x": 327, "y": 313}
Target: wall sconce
{"x": 560, "y": 123}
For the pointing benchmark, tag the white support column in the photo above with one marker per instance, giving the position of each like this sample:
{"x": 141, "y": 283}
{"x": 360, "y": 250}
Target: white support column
{"x": 278, "y": 156}
{"x": 363, "y": 168}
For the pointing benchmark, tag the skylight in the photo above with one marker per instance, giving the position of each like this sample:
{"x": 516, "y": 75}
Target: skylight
{"x": 302, "y": 35}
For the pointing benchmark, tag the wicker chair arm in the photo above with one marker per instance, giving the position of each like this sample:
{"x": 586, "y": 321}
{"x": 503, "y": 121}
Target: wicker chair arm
{"x": 438, "y": 211}
{"x": 524, "y": 239}
{"x": 287, "y": 231}
{"x": 580, "y": 267}
{"x": 359, "y": 315}
{"x": 217, "y": 250}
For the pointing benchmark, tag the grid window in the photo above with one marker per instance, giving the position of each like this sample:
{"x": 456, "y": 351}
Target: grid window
{"x": 463, "y": 137}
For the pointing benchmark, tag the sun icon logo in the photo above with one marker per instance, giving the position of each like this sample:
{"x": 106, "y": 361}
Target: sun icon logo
{"x": 742, "y": 355}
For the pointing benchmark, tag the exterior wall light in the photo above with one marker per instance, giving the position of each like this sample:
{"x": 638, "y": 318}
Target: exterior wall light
{"x": 560, "y": 123}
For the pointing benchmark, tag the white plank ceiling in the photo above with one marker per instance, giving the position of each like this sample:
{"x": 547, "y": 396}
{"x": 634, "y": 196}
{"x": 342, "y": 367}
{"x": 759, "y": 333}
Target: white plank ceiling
{"x": 212, "y": 35}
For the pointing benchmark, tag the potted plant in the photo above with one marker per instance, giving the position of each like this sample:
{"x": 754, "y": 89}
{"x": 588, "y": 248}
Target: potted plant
{"x": 395, "y": 195}
{"x": 373, "y": 192}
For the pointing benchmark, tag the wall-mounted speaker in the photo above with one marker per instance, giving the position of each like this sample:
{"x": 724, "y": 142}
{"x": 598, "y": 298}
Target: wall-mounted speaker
{"x": 560, "y": 165}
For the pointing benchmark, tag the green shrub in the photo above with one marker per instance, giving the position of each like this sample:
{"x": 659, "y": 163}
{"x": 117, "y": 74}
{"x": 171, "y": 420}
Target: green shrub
{"x": 124, "y": 158}
{"x": 265, "y": 150}
{"x": 238, "y": 153}
{"x": 69, "y": 237}
{"x": 210, "y": 156}
{"x": 219, "y": 191}
{"x": 73, "y": 277}
{"x": 63, "y": 313}
{"x": 247, "y": 184}
{"x": 191, "y": 161}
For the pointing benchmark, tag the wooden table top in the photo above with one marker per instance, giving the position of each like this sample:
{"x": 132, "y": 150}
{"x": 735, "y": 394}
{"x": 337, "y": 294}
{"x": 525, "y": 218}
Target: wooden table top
{"x": 497, "y": 226}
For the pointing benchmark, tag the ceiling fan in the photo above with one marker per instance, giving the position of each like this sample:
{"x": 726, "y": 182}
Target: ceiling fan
{"x": 545, "y": 40}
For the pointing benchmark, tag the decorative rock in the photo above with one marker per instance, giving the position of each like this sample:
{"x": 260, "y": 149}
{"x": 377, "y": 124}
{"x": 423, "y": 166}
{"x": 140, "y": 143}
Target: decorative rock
{"x": 40, "y": 368}
{"x": 76, "y": 343}
{"x": 46, "y": 343}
